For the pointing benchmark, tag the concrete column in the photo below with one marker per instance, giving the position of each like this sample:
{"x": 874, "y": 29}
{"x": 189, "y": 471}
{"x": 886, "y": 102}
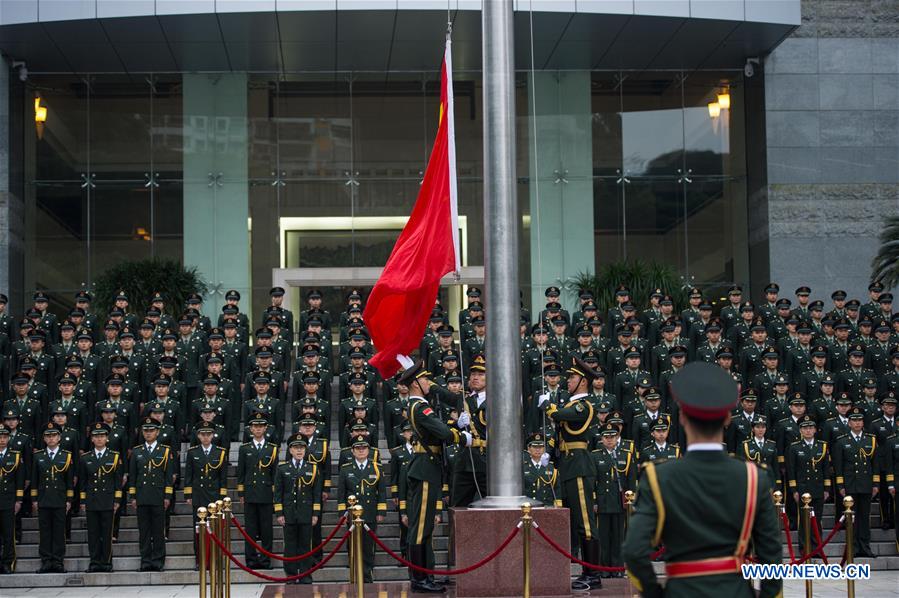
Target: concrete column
{"x": 216, "y": 237}
{"x": 561, "y": 171}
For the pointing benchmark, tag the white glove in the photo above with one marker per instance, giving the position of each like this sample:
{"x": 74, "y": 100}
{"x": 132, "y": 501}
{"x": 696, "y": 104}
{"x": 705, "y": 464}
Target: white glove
{"x": 467, "y": 436}
{"x": 544, "y": 459}
{"x": 463, "y": 421}
{"x": 542, "y": 399}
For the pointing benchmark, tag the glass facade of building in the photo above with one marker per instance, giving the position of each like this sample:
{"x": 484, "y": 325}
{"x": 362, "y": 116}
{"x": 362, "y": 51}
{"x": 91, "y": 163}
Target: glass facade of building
{"x": 323, "y": 168}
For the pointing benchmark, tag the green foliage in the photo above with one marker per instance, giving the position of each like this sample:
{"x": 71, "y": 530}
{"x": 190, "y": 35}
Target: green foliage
{"x": 642, "y": 277}
{"x": 142, "y": 278}
{"x": 885, "y": 265}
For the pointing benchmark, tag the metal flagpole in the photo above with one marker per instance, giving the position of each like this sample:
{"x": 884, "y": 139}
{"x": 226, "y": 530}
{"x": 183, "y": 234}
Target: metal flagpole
{"x": 504, "y": 483}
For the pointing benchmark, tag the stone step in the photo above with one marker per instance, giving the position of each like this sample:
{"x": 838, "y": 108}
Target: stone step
{"x": 175, "y": 563}
{"x": 179, "y": 577}
{"x": 184, "y": 534}
{"x": 182, "y": 548}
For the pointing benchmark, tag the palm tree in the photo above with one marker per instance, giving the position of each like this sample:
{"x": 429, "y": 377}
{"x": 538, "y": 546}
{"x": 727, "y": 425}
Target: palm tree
{"x": 885, "y": 265}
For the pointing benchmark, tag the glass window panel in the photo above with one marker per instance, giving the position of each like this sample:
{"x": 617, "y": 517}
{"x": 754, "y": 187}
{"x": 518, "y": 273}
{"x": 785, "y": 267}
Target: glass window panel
{"x": 389, "y": 120}
{"x": 652, "y": 124}
{"x": 60, "y": 259}
{"x": 713, "y": 143}
{"x": 168, "y": 124}
{"x": 121, "y": 226}
{"x": 653, "y": 211}
{"x": 120, "y": 126}
{"x": 264, "y": 239}
{"x": 608, "y": 220}
{"x": 716, "y": 248}
{"x": 314, "y": 130}
{"x": 606, "y": 99}
{"x": 262, "y": 127}
{"x": 168, "y": 220}
{"x": 61, "y": 149}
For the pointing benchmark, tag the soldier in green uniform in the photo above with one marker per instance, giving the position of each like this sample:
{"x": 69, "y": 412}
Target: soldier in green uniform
{"x": 100, "y": 473}
{"x": 809, "y": 469}
{"x": 52, "y": 489}
{"x": 23, "y": 443}
{"x": 577, "y": 472}
{"x": 762, "y": 451}
{"x": 400, "y": 457}
{"x": 541, "y": 479}
{"x": 298, "y": 500}
{"x": 469, "y": 481}
{"x": 151, "y": 475}
{"x": 615, "y": 474}
{"x": 741, "y": 421}
{"x": 425, "y": 476}
{"x": 659, "y": 449}
{"x": 205, "y": 473}
{"x": 363, "y": 478}
{"x": 266, "y": 404}
{"x": 786, "y": 433}
{"x": 706, "y": 532}
{"x": 28, "y": 409}
{"x": 256, "y": 465}
{"x": 317, "y": 453}
{"x": 856, "y": 462}
{"x": 641, "y": 427}
{"x": 12, "y": 491}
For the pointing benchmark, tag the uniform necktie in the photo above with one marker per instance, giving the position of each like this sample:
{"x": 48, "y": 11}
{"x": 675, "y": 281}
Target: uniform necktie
{"x": 206, "y": 451}
{"x": 99, "y": 454}
{"x": 52, "y": 455}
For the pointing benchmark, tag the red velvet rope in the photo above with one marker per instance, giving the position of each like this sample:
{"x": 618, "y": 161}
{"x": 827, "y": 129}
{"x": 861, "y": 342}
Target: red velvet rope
{"x": 468, "y": 569}
{"x": 820, "y": 550}
{"x": 287, "y": 559}
{"x": 573, "y": 558}
{"x": 306, "y": 573}
{"x": 813, "y": 521}
{"x": 786, "y": 526}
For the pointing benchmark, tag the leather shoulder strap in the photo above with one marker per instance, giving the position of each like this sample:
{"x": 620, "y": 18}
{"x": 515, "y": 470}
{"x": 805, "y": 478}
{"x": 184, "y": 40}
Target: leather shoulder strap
{"x": 752, "y": 479}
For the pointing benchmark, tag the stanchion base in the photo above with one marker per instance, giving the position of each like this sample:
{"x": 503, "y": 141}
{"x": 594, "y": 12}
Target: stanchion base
{"x": 479, "y": 530}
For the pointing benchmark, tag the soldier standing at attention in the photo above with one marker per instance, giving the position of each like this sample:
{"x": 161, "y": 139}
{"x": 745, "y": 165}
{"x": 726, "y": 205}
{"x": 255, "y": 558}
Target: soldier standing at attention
{"x": 205, "y": 473}
{"x": 12, "y": 490}
{"x": 425, "y": 476}
{"x": 615, "y": 474}
{"x": 256, "y": 465}
{"x": 151, "y": 472}
{"x": 363, "y": 478}
{"x": 809, "y": 470}
{"x": 52, "y": 488}
{"x": 856, "y": 464}
{"x": 298, "y": 504}
{"x": 706, "y": 537}
{"x": 541, "y": 479}
{"x": 577, "y": 471}
{"x": 100, "y": 473}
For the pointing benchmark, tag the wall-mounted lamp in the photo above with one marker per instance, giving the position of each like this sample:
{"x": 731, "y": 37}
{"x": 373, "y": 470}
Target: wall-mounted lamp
{"x": 40, "y": 117}
{"x": 714, "y": 109}
{"x": 724, "y": 100}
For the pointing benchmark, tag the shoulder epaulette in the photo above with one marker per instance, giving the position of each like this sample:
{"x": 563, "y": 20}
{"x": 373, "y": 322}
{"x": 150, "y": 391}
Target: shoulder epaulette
{"x": 795, "y": 442}
{"x": 246, "y": 444}
{"x": 346, "y": 465}
{"x": 282, "y": 462}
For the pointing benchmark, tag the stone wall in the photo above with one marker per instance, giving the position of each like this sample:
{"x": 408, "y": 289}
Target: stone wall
{"x": 832, "y": 114}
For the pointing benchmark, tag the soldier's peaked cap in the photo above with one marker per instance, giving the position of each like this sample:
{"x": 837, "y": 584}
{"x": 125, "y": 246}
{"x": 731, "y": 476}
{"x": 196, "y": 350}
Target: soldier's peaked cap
{"x": 418, "y": 370}
{"x": 579, "y": 367}
{"x": 704, "y": 391}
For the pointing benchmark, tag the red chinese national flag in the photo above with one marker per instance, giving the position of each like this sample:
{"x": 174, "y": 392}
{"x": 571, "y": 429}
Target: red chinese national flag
{"x": 401, "y": 302}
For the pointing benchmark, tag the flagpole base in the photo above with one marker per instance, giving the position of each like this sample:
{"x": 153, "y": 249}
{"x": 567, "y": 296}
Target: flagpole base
{"x": 500, "y": 502}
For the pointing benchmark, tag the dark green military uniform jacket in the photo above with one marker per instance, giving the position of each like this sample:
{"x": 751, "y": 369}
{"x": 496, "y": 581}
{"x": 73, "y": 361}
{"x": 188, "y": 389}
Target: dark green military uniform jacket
{"x": 652, "y": 453}
{"x": 809, "y": 468}
{"x": 613, "y": 478}
{"x": 298, "y": 491}
{"x": 641, "y": 427}
{"x": 368, "y": 484}
{"x": 574, "y": 421}
{"x": 856, "y": 463}
{"x": 541, "y": 483}
{"x": 256, "y": 472}
{"x": 787, "y": 433}
{"x": 151, "y": 474}
{"x": 12, "y": 479}
{"x": 53, "y": 482}
{"x": 100, "y": 479}
{"x": 765, "y": 456}
{"x": 76, "y": 413}
{"x": 219, "y": 436}
{"x": 667, "y": 511}
{"x": 400, "y": 457}
{"x": 429, "y": 435}
{"x": 205, "y": 476}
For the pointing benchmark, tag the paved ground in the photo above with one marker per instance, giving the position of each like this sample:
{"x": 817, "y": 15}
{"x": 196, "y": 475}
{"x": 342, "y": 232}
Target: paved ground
{"x": 883, "y": 584}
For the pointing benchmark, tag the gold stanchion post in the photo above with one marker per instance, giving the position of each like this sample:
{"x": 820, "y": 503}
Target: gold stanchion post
{"x": 201, "y": 547}
{"x": 849, "y": 522}
{"x": 351, "y": 502}
{"x": 807, "y": 535}
{"x": 212, "y": 510}
{"x": 226, "y": 523}
{"x": 629, "y": 497}
{"x": 526, "y": 521}
{"x": 220, "y": 510}
{"x": 359, "y": 528}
